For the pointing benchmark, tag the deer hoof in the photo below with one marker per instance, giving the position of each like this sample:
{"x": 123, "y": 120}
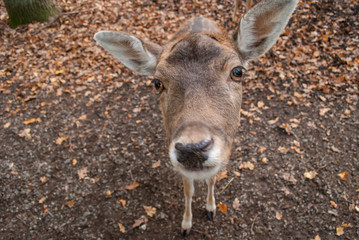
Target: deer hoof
{"x": 185, "y": 232}
{"x": 211, "y": 215}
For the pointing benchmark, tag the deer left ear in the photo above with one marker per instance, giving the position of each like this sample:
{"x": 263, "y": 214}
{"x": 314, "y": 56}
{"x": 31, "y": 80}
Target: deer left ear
{"x": 138, "y": 55}
{"x": 261, "y": 26}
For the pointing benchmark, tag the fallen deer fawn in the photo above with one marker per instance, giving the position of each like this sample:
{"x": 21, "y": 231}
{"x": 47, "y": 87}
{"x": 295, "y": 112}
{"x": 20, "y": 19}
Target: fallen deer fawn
{"x": 198, "y": 75}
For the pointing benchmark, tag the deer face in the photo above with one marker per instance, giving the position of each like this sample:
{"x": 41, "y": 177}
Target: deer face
{"x": 199, "y": 81}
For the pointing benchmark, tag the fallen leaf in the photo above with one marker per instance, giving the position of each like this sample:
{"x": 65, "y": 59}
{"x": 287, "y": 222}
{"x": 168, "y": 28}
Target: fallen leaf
{"x": 108, "y": 193}
{"x": 271, "y": 122}
{"x": 311, "y": 174}
{"x": 261, "y": 149}
{"x": 43, "y": 179}
{"x": 122, "y": 228}
{"x": 25, "y": 133}
{"x": 42, "y": 200}
{"x": 122, "y": 202}
{"x": 334, "y": 149}
{"x": 156, "y": 164}
{"x": 140, "y": 221}
{"x": 70, "y": 203}
{"x": 82, "y": 173}
{"x": 323, "y": 111}
{"x": 221, "y": 175}
{"x": 83, "y": 117}
{"x": 222, "y": 208}
{"x": 246, "y": 165}
{"x": 150, "y": 211}
{"x": 237, "y": 174}
{"x": 59, "y": 140}
{"x": 283, "y": 149}
{"x": 343, "y": 176}
{"x": 132, "y": 186}
{"x": 340, "y": 231}
{"x": 333, "y": 204}
{"x": 7, "y": 125}
{"x": 264, "y": 160}
{"x": 278, "y": 216}
{"x": 235, "y": 204}
{"x": 260, "y": 104}
{"x": 317, "y": 238}
{"x": 289, "y": 177}
{"x": 29, "y": 121}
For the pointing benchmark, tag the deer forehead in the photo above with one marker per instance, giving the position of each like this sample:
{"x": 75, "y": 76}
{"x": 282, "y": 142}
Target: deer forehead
{"x": 197, "y": 57}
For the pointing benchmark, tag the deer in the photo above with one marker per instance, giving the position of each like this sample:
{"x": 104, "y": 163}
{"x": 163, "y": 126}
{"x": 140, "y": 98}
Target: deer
{"x": 198, "y": 75}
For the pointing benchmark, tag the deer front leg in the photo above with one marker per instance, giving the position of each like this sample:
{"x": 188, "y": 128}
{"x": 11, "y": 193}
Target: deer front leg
{"x": 211, "y": 202}
{"x": 187, "y": 216}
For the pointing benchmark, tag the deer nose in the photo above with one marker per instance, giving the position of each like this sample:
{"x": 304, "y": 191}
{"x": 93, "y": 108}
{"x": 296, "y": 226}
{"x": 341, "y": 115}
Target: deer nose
{"x": 195, "y": 154}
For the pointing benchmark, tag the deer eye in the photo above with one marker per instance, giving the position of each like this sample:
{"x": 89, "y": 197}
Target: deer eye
{"x": 237, "y": 73}
{"x": 158, "y": 85}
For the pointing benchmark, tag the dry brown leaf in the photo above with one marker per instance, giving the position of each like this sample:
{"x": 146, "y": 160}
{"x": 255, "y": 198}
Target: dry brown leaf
{"x": 29, "y": 121}
{"x": 260, "y": 104}
{"x": 25, "y": 133}
{"x": 283, "y": 149}
{"x": 261, "y": 149}
{"x": 70, "y": 203}
{"x": 121, "y": 202}
{"x": 289, "y": 177}
{"x": 343, "y": 176}
{"x": 150, "y": 211}
{"x": 156, "y": 164}
{"x": 222, "y": 207}
{"x": 7, "y": 125}
{"x": 132, "y": 186}
{"x": 333, "y": 204}
{"x": 271, "y": 122}
{"x": 59, "y": 140}
{"x": 83, "y": 117}
{"x": 278, "y": 216}
{"x": 323, "y": 111}
{"x": 43, "y": 179}
{"x": 140, "y": 221}
{"x": 42, "y": 200}
{"x": 246, "y": 165}
{"x": 237, "y": 174}
{"x": 82, "y": 173}
{"x": 264, "y": 160}
{"x": 310, "y": 174}
{"x": 122, "y": 228}
{"x": 340, "y": 231}
{"x": 317, "y": 238}
{"x": 221, "y": 175}
{"x": 235, "y": 204}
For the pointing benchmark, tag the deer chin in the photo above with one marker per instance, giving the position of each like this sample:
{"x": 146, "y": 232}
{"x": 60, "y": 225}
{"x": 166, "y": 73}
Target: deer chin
{"x": 210, "y": 167}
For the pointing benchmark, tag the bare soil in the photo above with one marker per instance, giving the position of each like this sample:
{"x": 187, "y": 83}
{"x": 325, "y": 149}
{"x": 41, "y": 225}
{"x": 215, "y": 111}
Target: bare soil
{"x": 72, "y": 144}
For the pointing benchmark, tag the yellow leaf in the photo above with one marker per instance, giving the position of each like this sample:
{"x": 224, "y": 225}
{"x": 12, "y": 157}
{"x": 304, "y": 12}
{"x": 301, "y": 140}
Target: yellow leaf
{"x": 59, "y": 140}
{"x": 122, "y": 228}
{"x": 156, "y": 164}
{"x": 222, "y": 208}
{"x": 150, "y": 211}
{"x": 58, "y": 72}
{"x": 132, "y": 186}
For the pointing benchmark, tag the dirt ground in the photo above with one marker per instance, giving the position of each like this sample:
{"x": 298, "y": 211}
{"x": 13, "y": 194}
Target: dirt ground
{"x": 83, "y": 151}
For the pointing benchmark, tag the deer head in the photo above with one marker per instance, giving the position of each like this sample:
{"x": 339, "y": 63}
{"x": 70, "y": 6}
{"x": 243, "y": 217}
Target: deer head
{"x": 198, "y": 74}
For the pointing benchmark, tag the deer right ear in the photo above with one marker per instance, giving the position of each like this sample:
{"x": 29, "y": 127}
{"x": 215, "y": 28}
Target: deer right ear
{"x": 261, "y": 26}
{"x": 139, "y": 56}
